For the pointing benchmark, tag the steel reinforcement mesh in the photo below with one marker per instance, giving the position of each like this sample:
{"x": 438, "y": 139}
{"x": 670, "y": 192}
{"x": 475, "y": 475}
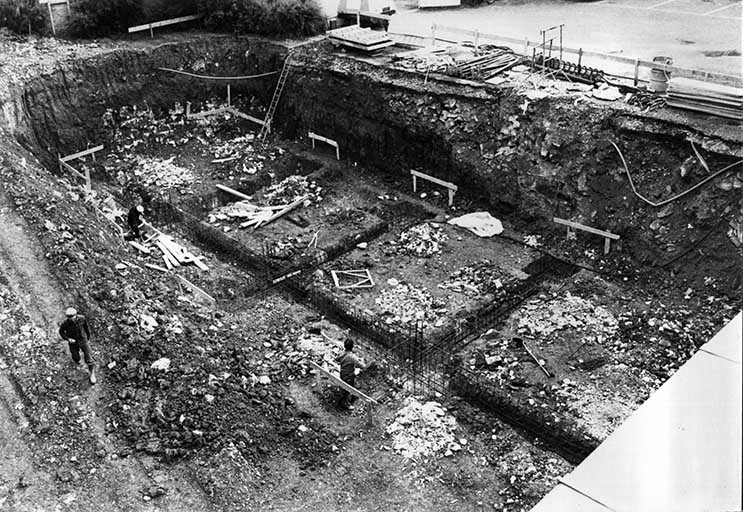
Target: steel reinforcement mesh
{"x": 429, "y": 365}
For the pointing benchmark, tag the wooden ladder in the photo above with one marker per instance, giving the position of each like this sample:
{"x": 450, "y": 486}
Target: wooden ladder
{"x": 275, "y": 100}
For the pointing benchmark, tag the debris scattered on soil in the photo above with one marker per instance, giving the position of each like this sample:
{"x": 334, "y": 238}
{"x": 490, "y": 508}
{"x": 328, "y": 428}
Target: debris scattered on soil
{"x": 423, "y": 240}
{"x": 544, "y": 317}
{"x": 421, "y": 430}
{"x": 404, "y": 303}
{"x": 291, "y": 189}
{"x": 158, "y": 174}
{"x": 473, "y": 280}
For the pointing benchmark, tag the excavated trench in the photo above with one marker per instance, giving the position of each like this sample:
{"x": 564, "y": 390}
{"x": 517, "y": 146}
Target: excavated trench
{"x": 527, "y": 161}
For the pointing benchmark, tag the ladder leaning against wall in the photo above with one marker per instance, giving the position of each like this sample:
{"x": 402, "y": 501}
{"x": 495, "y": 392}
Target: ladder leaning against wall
{"x": 275, "y": 99}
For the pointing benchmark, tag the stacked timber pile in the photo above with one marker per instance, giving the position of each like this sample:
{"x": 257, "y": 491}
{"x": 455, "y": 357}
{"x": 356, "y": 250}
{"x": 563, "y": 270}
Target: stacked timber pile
{"x": 253, "y": 215}
{"x": 283, "y": 197}
{"x": 488, "y": 65}
{"x": 715, "y": 99}
{"x": 364, "y": 39}
{"x": 173, "y": 254}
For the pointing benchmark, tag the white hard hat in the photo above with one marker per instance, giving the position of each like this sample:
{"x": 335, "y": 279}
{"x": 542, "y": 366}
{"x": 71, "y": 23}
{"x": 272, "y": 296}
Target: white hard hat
{"x": 71, "y": 312}
{"x": 140, "y": 208}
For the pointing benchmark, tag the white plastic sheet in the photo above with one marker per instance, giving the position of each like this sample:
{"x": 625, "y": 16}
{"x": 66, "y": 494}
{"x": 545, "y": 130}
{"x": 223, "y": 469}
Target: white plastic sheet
{"x": 480, "y": 223}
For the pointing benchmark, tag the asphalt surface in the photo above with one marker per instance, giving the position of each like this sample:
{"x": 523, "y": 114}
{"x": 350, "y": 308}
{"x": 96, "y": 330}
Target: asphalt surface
{"x": 695, "y": 33}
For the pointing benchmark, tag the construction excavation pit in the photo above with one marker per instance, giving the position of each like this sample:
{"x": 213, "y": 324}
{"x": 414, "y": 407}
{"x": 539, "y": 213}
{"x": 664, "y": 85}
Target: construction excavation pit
{"x": 523, "y": 269}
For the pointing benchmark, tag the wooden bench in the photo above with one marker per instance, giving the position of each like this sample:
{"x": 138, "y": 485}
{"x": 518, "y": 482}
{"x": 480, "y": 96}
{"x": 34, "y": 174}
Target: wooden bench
{"x": 64, "y": 164}
{"x": 608, "y": 237}
{"x": 173, "y": 21}
{"x": 451, "y": 187}
{"x": 314, "y": 137}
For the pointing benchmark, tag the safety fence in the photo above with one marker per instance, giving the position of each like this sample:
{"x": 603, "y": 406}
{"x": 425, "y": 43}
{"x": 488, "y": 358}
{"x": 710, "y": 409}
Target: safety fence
{"x": 634, "y": 69}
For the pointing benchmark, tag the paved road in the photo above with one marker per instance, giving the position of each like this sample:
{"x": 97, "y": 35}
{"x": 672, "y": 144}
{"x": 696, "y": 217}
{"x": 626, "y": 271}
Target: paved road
{"x": 687, "y": 30}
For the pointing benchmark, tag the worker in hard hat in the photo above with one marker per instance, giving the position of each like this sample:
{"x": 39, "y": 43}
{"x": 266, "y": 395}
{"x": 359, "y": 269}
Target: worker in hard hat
{"x": 135, "y": 220}
{"x": 75, "y": 331}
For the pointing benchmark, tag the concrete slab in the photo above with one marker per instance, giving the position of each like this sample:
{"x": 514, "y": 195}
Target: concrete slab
{"x": 681, "y": 450}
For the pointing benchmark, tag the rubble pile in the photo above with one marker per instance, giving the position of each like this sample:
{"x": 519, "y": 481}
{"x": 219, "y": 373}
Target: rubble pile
{"x": 157, "y": 173}
{"x": 661, "y": 338}
{"x": 544, "y": 316}
{"x": 134, "y": 126}
{"x": 475, "y": 279}
{"x": 500, "y": 361}
{"x": 291, "y": 189}
{"x": 241, "y": 148}
{"x": 428, "y": 62}
{"x": 423, "y": 240}
{"x": 403, "y": 303}
{"x": 421, "y": 430}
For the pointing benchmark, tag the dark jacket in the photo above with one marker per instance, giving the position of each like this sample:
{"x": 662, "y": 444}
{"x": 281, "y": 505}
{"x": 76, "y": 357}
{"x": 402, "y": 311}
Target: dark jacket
{"x": 75, "y": 329}
{"x": 348, "y": 363}
{"x": 134, "y": 218}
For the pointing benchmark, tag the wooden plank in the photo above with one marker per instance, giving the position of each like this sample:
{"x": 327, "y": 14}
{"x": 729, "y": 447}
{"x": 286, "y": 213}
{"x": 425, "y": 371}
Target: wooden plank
{"x": 168, "y": 264}
{"x": 423, "y": 4}
{"x": 71, "y": 169}
{"x": 172, "y": 21}
{"x": 333, "y": 143}
{"x": 249, "y": 117}
{"x": 155, "y": 267}
{"x": 81, "y": 153}
{"x": 140, "y": 247}
{"x": 363, "y": 276}
{"x": 234, "y": 192}
{"x": 443, "y": 183}
{"x": 366, "y": 14}
{"x": 195, "y": 289}
{"x": 177, "y": 251}
{"x": 197, "y": 261}
{"x": 210, "y": 112}
{"x": 286, "y": 210}
{"x": 369, "y": 48}
{"x": 167, "y": 254}
{"x": 338, "y": 382}
{"x": 576, "y": 225}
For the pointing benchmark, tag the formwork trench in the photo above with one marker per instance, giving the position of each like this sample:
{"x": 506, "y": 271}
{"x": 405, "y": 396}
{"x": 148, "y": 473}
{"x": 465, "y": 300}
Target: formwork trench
{"x": 540, "y": 344}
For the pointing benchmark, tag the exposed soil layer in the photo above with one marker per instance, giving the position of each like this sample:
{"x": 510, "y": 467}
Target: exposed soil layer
{"x": 236, "y": 399}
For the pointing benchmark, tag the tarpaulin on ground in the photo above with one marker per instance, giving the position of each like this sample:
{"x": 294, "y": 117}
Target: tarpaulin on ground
{"x": 480, "y": 223}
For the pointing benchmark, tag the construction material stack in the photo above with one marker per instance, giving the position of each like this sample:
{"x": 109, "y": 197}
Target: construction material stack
{"x": 359, "y": 38}
{"x": 714, "y": 99}
{"x": 488, "y": 65}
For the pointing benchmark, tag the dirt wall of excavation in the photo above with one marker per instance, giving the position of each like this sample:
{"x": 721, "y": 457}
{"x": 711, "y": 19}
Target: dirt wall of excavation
{"x": 532, "y": 160}
{"x": 529, "y": 160}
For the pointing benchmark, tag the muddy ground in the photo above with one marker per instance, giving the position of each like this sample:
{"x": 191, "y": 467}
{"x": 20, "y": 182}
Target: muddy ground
{"x": 236, "y": 419}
